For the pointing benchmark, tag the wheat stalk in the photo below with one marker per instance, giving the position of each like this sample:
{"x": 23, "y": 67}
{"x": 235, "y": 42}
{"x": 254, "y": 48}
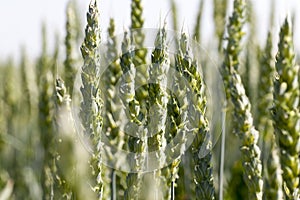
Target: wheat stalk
{"x": 286, "y": 114}
{"x": 176, "y": 125}
{"x": 62, "y": 110}
{"x": 174, "y": 15}
{"x": 70, "y": 43}
{"x": 46, "y": 130}
{"x": 135, "y": 144}
{"x": 91, "y": 104}
{"x": 273, "y": 179}
{"x": 197, "y": 29}
{"x": 24, "y": 79}
{"x": 219, "y": 12}
{"x": 138, "y": 36}
{"x": 242, "y": 109}
{"x": 113, "y": 126}
{"x": 111, "y": 76}
{"x": 197, "y": 124}
{"x": 157, "y": 108}
{"x": 45, "y": 82}
{"x": 140, "y": 53}
{"x": 250, "y": 74}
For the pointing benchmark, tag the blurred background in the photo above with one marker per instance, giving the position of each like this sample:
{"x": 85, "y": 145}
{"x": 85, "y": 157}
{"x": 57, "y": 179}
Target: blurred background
{"x": 21, "y": 20}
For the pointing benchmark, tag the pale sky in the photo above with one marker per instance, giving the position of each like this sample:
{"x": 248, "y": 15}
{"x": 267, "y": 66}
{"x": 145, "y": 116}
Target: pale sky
{"x": 21, "y": 20}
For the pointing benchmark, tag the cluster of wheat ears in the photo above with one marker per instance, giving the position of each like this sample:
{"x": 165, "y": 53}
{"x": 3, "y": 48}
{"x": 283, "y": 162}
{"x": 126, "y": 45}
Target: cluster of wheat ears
{"x": 42, "y": 156}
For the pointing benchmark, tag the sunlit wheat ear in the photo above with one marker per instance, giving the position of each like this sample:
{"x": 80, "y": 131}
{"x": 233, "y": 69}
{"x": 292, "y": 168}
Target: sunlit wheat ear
{"x": 286, "y": 114}
{"x": 157, "y": 107}
{"x": 138, "y": 37}
{"x": 197, "y": 123}
{"x": 139, "y": 60}
{"x": 177, "y": 112}
{"x": 136, "y": 144}
{"x": 91, "y": 105}
{"x": 243, "y": 120}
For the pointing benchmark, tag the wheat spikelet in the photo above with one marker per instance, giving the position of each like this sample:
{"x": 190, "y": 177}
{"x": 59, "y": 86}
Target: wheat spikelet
{"x": 286, "y": 114}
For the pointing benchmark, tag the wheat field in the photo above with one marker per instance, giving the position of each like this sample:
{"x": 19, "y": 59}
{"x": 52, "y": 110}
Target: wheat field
{"x": 154, "y": 113}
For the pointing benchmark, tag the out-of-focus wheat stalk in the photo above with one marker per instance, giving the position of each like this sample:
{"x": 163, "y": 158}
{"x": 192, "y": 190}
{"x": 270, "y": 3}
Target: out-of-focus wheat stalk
{"x": 197, "y": 27}
{"x": 70, "y": 43}
{"x": 220, "y": 11}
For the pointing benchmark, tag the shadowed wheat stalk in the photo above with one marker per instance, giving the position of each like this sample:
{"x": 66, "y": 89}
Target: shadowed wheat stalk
{"x": 271, "y": 165}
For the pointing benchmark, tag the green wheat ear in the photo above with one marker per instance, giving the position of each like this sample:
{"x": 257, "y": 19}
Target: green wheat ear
{"x": 91, "y": 104}
{"x": 135, "y": 144}
{"x": 220, "y": 10}
{"x": 140, "y": 52}
{"x": 70, "y": 43}
{"x": 174, "y": 14}
{"x": 112, "y": 125}
{"x": 243, "y": 119}
{"x": 64, "y": 165}
{"x": 138, "y": 37}
{"x": 45, "y": 82}
{"x": 157, "y": 106}
{"x": 273, "y": 178}
{"x": 197, "y": 124}
{"x": 25, "y": 82}
{"x": 197, "y": 28}
{"x": 286, "y": 114}
{"x": 112, "y": 102}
